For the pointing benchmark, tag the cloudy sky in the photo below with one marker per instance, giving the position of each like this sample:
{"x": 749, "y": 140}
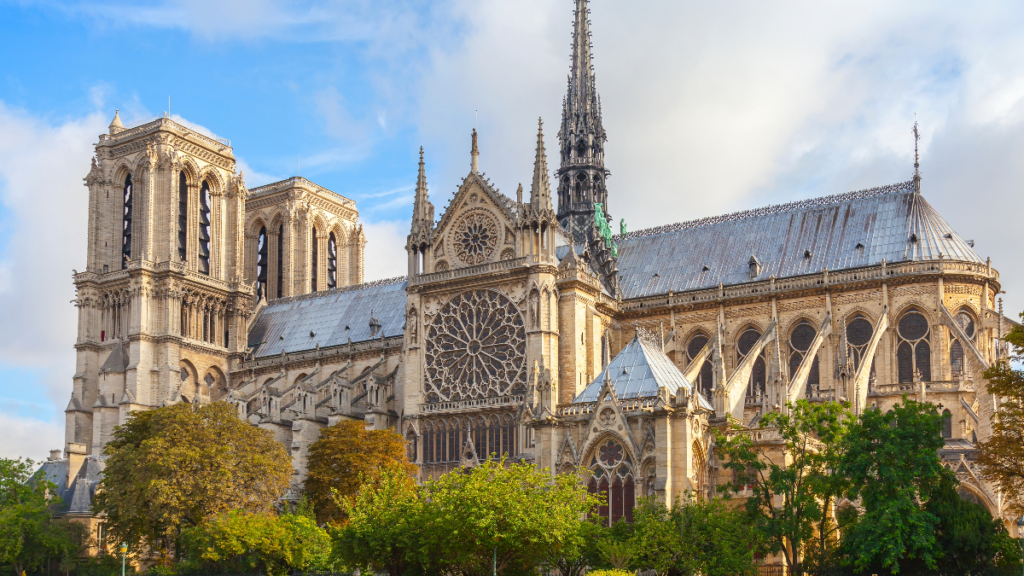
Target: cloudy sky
{"x": 710, "y": 107}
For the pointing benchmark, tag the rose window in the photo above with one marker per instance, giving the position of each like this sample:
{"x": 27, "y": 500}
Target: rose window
{"x": 476, "y": 238}
{"x": 476, "y": 348}
{"x": 611, "y": 453}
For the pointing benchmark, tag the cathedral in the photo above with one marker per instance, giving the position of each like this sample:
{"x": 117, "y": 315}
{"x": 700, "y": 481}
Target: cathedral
{"x": 527, "y": 325}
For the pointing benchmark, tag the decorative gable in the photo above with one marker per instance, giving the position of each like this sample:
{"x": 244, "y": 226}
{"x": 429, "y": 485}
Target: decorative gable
{"x": 477, "y": 226}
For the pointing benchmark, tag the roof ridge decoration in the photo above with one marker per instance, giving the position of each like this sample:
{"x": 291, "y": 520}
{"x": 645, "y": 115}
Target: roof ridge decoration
{"x": 820, "y": 201}
{"x": 370, "y": 284}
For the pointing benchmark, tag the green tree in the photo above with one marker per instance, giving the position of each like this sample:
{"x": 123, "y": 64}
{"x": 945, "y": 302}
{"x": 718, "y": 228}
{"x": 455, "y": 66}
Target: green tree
{"x": 1002, "y": 454}
{"x": 384, "y": 527}
{"x": 515, "y": 513}
{"x": 704, "y": 537}
{"x": 792, "y": 481}
{"x": 243, "y": 542}
{"x": 175, "y": 467}
{"x": 346, "y": 455}
{"x": 893, "y": 465}
{"x": 29, "y": 534}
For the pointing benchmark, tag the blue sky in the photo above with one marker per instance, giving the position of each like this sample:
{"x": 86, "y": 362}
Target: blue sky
{"x": 710, "y": 108}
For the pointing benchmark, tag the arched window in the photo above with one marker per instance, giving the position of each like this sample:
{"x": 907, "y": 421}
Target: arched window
{"x": 261, "y": 264}
{"x": 956, "y": 348}
{"x": 706, "y": 375}
{"x": 758, "y": 375}
{"x": 800, "y": 342}
{"x": 280, "y": 261}
{"x": 947, "y": 424}
{"x": 126, "y": 223}
{"x": 204, "y": 228}
{"x": 858, "y": 335}
{"x": 611, "y": 470}
{"x": 182, "y": 217}
{"x": 332, "y": 262}
{"x": 913, "y": 354}
{"x": 315, "y": 260}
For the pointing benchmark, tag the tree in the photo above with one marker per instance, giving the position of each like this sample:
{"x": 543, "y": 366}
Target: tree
{"x": 175, "y": 467}
{"x": 29, "y": 533}
{"x": 704, "y": 537}
{"x": 515, "y": 514}
{"x": 1002, "y": 455}
{"x": 792, "y": 482}
{"x": 243, "y": 543}
{"x": 344, "y": 456}
{"x": 384, "y": 527}
{"x": 893, "y": 465}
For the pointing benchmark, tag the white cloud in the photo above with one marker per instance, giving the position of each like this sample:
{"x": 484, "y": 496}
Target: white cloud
{"x": 385, "y": 254}
{"x": 29, "y": 438}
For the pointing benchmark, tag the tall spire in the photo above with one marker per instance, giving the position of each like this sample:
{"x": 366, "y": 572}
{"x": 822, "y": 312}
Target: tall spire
{"x": 422, "y": 209}
{"x": 474, "y": 153}
{"x": 917, "y": 163}
{"x": 540, "y": 190}
{"x": 581, "y": 172}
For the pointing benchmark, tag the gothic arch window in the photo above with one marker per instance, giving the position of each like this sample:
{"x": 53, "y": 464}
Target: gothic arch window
{"x": 204, "y": 228}
{"x": 581, "y": 183}
{"x": 858, "y": 335}
{"x": 315, "y": 260}
{"x": 612, "y": 477}
{"x": 444, "y": 438}
{"x": 280, "y": 261}
{"x": 182, "y": 216}
{"x": 261, "y": 264}
{"x": 758, "y": 376}
{"x": 706, "y": 375}
{"x": 947, "y": 424}
{"x": 913, "y": 353}
{"x": 332, "y": 262}
{"x": 800, "y": 340}
{"x": 126, "y": 223}
{"x": 957, "y": 365}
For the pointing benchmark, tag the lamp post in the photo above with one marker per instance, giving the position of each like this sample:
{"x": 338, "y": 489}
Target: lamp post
{"x": 124, "y": 553}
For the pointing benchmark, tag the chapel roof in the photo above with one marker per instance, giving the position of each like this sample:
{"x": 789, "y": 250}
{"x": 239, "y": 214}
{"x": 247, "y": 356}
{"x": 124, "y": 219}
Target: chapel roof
{"x": 638, "y": 371}
{"x": 364, "y": 312}
{"x": 76, "y": 498}
{"x": 850, "y": 230}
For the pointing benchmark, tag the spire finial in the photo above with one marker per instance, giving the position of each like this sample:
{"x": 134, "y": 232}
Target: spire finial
{"x": 475, "y": 153}
{"x": 917, "y": 163}
{"x": 115, "y": 124}
{"x": 540, "y": 190}
{"x": 422, "y": 209}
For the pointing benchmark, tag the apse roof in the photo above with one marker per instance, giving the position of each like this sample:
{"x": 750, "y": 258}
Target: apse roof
{"x": 835, "y": 232}
{"x": 330, "y": 318}
{"x": 637, "y": 372}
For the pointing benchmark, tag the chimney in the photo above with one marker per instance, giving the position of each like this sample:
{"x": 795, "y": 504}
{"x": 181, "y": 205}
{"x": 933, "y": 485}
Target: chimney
{"x": 54, "y": 455}
{"x": 76, "y": 454}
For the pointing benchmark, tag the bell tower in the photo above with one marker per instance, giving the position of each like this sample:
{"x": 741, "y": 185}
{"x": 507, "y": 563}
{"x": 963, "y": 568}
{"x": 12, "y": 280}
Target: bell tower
{"x": 162, "y": 304}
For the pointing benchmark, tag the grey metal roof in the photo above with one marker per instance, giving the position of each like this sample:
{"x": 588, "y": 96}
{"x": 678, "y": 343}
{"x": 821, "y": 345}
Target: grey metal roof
{"x": 788, "y": 240}
{"x": 637, "y": 372}
{"x": 76, "y": 498}
{"x": 334, "y": 316}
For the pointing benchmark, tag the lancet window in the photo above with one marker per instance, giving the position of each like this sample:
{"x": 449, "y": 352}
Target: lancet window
{"x": 612, "y": 476}
{"x": 332, "y": 262}
{"x": 705, "y": 377}
{"x": 182, "y": 216}
{"x": 280, "y": 261}
{"x": 800, "y": 342}
{"x": 445, "y": 438}
{"x": 315, "y": 260}
{"x": 913, "y": 353}
{"x": 204, "y": 228}
{"x": 957, "y": 365}
{"x": 858, "y": 336}
{"x": 947, "y": 424}
{"x": 261, "y": 264}
{"x": 126, "y": 223}
{"x": 758, "y": 375}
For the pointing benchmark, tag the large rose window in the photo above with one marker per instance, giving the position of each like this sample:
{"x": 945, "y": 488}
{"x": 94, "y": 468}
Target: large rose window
{"x": 476, "y": 238}
{"x": 476, "y": 348}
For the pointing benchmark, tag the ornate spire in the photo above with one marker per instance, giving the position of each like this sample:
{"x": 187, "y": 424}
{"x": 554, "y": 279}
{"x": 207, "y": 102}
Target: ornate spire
{"x": 115, "y": 124}
{"x": 475, "y": 154}
{"x": 422, "y": 210}
{"x": 917, "y": 163}
{"x": 581, "y": 173}
{"x": 540, "y": 190}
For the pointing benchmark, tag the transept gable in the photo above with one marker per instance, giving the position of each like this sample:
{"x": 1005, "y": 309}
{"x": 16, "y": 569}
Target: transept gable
{"x": 477, "y": 226}
{"x": 607, "y": 420}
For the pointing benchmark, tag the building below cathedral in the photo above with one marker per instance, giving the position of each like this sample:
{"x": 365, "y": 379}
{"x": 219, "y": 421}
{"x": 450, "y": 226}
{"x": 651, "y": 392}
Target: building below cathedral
{"x": 524, "y": 325}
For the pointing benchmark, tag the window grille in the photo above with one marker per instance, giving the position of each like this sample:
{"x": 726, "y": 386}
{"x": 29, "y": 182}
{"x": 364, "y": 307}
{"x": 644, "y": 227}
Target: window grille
{"x": 332, "y": 262}
{"x": 612, "y": 477}
{"x": 182, "y": 216}
{"x": 261, "y": 264}
{"x": 126, "y": 223}
{"x": 758, "y": 375}
{"x": 204, "y": 228}
{"x": 315, "y": 260}
{"x": 913, "y": 354}
{"x": 800, "y": 342}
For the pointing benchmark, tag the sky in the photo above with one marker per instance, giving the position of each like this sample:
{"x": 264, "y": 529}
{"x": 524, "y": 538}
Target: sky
{"x": 710, "y": 107}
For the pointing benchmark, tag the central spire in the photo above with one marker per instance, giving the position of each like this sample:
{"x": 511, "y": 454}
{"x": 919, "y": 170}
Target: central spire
{"x": 581, "y": 173}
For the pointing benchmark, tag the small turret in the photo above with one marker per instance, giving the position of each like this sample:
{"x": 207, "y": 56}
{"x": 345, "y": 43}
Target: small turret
{"x": 115, "y": 124}
{"x": 422, "y": 223}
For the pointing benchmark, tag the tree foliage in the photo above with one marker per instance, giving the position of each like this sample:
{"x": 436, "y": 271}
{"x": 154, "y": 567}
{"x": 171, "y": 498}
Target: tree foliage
{"x": 346, "y": 455}
{"x": 1002, "y": 454}
{"x": 792, "y": 484}
{"x": 175, "y": 467}
{"x": 30, "y": 536}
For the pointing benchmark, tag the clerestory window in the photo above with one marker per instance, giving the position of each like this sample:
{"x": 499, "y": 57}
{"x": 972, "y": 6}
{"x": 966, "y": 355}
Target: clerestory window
{"x": 800, "y": 342}
{"x": 182, "y": 216}
{"x": 957, "y": 365}
{"x": 758, "y": 376}
{"x": 705, "y": 376}
{"x": 913, "y": 353}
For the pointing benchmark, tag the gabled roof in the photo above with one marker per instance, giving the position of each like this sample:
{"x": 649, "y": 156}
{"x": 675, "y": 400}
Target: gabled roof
{"x": 333, "y": 317}
{"x": 638, "y": 371}
{"x": 849, "y": 230}
{"x": 500, "y": 200}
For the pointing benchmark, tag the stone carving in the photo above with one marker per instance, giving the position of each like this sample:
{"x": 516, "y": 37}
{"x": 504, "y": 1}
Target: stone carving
{"x": 476, "y": 237}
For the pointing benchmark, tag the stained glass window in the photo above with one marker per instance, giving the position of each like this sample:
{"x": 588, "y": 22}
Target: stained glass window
{"x": 913, "y": 354}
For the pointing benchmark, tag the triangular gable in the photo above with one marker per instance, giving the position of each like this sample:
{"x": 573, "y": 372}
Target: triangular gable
{"x": 607, "y": 418}
{"x": 471, "y": 183}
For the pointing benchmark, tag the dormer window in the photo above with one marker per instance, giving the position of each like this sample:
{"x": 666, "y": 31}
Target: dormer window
{"x": 755, "y": 266}
{"x": 807, "y": 254}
